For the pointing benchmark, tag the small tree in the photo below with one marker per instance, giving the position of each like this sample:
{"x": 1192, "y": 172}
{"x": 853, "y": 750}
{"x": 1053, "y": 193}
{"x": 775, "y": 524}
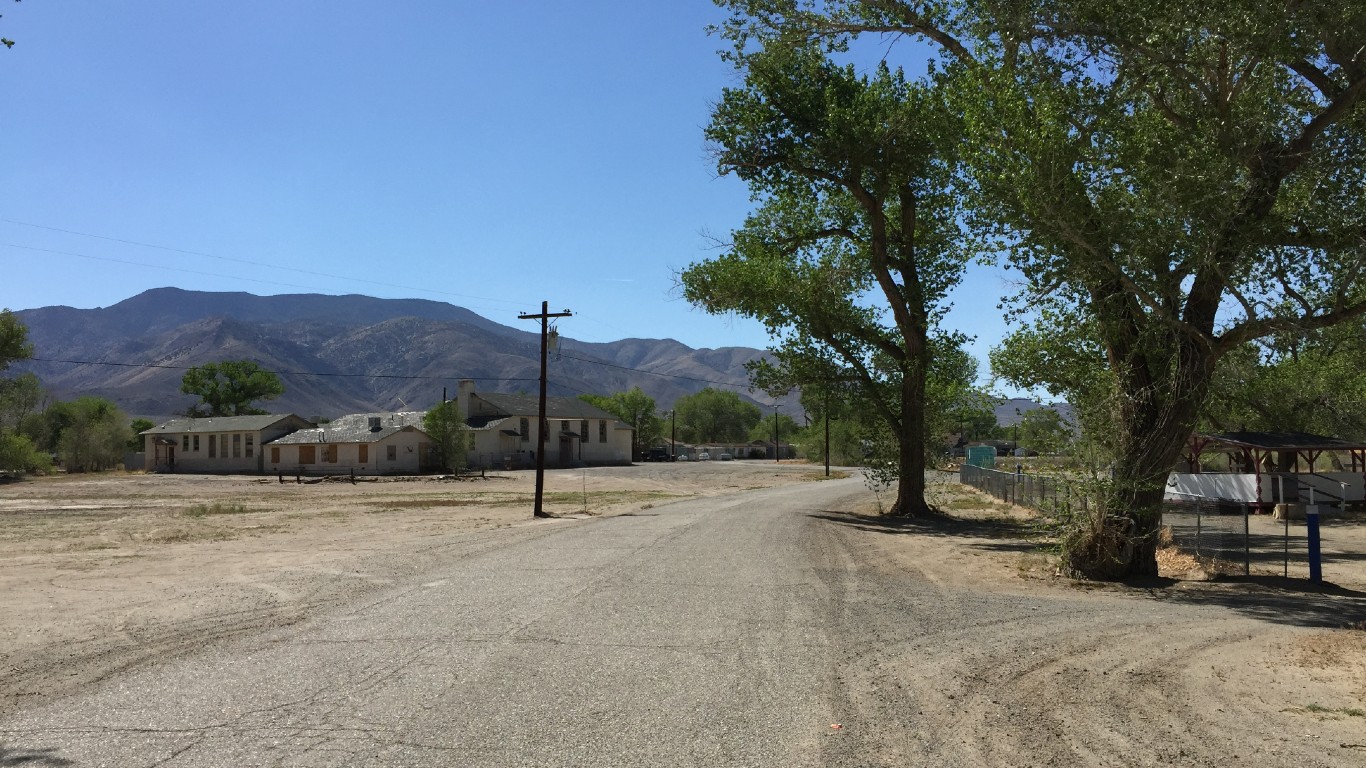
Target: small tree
{"x": 135, "y": 443}
{"x": 229, "y": 388}
{"x": 1042, "y": 430}
{"x": 449, "y": 433}
{"x": 94, "y": 436}
{"x": 715, "y": 416}
{"x": 633, "y": 407}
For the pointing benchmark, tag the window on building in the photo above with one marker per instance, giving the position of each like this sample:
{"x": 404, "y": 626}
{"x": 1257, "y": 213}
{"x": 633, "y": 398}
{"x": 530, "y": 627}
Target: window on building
{"x": 184, "y": 442}
{"x": 213, "y": 446}
{"x": 469, "y": 440}
{"x": 526, "y": 430}
{"x": 251, "y": 445}
{"x": 602, "y": 431}
{"x": 275, "y": 454}
{"x": 583, "y": 430}
{"x": 363, "y": 454}
{"x": 306, "y": 454}
{"x": 564, "y": 426}
{"x": 236, "y": 446}
{"x": 329, "y": 454}
{"x": 196, "y": 443}
{"x": 393, "y": 452}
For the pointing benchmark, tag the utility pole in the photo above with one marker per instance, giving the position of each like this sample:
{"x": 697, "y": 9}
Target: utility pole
{"x": 542, "y": 427}
{"x": 777, "y": 449}
{"x": 673, "y": 434}
{"x": 827, "y": 432}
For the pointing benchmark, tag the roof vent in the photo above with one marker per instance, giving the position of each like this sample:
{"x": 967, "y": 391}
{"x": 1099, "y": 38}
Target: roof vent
{"x": 375, "y": 422}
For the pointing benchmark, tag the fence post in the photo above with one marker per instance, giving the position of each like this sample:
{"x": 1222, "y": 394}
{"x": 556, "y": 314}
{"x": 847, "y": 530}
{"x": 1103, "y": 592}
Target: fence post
{"x": 1199, "y": 525}
{"x": 1247, "y": 544}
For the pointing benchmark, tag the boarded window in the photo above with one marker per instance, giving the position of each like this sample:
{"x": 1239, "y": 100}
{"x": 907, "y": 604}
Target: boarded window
{"x": 364, "y": 453}
{"x": 526, "y": 430}
{"x": 275, "y": 454}
{"x": 213, "y": 446}
{"x": 393, "y": 452}
{"x": 330, "y": 454}
{"x": 236, "y": 446}
{"x": 306, "y": 454}
{"x": 602, "y": 431}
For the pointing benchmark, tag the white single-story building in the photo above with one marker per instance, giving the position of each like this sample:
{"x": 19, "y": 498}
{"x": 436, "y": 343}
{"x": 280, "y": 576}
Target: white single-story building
{"x": 505, "y": 431}
{"x": 364, "y": 443}
{"x": 216, "y": 444}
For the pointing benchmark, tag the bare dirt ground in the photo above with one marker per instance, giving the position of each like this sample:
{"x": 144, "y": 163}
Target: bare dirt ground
{"x": 1012, "y": 666}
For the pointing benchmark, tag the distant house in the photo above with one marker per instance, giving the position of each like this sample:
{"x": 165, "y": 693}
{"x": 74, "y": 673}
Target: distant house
{"x": 389, "y": 443}
{"x": 218, "y": 444}
{"x": 505, "y": 431}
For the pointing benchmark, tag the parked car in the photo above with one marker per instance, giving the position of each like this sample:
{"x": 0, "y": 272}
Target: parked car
{"x": 682, "y": 457}
{"x": 656, "y": 454}
{"x": 704, "y": 456}
{"x": 725, "y": 457}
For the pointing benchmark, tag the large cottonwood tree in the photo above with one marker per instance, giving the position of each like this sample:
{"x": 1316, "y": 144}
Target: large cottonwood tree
{"x": 1174, "y": 177}
{"x": 852, "y": 247}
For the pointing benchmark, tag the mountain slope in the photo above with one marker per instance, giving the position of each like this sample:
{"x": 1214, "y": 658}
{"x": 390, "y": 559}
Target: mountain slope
{"x": 342, "y": 354}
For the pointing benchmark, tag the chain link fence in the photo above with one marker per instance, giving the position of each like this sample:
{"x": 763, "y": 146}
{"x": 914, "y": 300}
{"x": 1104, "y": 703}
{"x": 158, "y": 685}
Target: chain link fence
{"x": 1223, "y": 535}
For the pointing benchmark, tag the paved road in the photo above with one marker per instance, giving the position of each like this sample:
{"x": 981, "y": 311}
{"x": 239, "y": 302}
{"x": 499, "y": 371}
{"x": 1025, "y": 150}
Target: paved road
{"x": 696, "y": 633}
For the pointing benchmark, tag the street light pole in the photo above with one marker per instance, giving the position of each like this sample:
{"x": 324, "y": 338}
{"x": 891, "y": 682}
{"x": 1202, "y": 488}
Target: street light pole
{"x": 541, "y": 426}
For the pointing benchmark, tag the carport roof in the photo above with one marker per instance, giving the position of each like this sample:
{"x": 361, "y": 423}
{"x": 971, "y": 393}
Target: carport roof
{"x": 1282, "y": 441}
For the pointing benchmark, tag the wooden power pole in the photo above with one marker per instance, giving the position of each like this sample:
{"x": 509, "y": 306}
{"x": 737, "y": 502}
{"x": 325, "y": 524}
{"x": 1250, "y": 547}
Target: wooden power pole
{"x": 542, "y": 426}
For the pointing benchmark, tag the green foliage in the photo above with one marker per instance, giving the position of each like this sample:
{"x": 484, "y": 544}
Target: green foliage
{"x": 1043, "y": 431}
{"x": 788, "y": 429}
{"x": 855, "y": 241}
{"x": 19, "y": 397}
{"x": 229, "y": 388}
{"x": 635, "y": 408}
{"x": 1172, "y": 180}
{"x": 1289, "y": 383}
{"x": 14, "y": 344}
{"x": 136, "y": 443}
{"x": 449, "y": 435}
{"x": 93, "y": 436}
{"x": 19, "y": 454}
{"x": 715, "y": 416}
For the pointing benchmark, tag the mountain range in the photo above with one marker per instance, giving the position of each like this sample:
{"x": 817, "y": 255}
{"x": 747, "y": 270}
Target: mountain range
{"x": 344, "y": 354}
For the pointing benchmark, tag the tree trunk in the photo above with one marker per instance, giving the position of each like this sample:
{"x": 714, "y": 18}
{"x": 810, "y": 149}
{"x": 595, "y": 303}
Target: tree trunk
{"x": 1157, "y": 415}
{"x": 910, "y": 487}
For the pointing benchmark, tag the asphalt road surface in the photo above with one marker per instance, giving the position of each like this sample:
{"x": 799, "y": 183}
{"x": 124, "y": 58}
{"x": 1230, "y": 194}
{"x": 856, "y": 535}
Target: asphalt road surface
{"x": 695, "y": 633}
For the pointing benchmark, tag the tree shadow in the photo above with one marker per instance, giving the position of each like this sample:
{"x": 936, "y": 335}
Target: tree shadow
{"x": 37, "y": 757}
{"x": 1274, "y": 599}
{"x": 1006, "y": 535}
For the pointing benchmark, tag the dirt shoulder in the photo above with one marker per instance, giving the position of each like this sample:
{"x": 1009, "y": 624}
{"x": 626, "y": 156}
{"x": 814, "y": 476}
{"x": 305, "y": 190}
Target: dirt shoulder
{"x": 979, "y": 655}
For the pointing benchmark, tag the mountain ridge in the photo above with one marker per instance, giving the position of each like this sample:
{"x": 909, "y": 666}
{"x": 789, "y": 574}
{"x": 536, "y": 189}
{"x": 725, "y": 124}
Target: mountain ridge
{"x": 343, "y": 354}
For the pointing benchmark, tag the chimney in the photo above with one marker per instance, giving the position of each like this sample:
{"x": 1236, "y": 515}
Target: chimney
{"x": 463, "y": 398}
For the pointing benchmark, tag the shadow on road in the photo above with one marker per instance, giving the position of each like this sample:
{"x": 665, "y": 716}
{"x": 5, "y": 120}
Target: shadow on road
{"x": 1006, "y": 535}
{"x": 41, "y": 757}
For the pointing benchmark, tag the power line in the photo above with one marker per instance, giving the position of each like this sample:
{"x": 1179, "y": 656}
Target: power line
{"x": 248, "y": 262}
{"x": 285, "y": 373}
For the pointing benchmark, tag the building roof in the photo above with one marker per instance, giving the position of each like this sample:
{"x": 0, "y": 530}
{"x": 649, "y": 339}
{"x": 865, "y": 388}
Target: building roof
{"x": 555, "y": 407}
{"x": 222, "y": 424}
{"x": 355, "y": 428}
{"x": 1283, "y": 441}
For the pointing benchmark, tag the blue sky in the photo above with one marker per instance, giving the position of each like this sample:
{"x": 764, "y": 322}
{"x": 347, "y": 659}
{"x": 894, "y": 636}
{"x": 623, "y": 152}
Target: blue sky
{"x": 492, "y": 155}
